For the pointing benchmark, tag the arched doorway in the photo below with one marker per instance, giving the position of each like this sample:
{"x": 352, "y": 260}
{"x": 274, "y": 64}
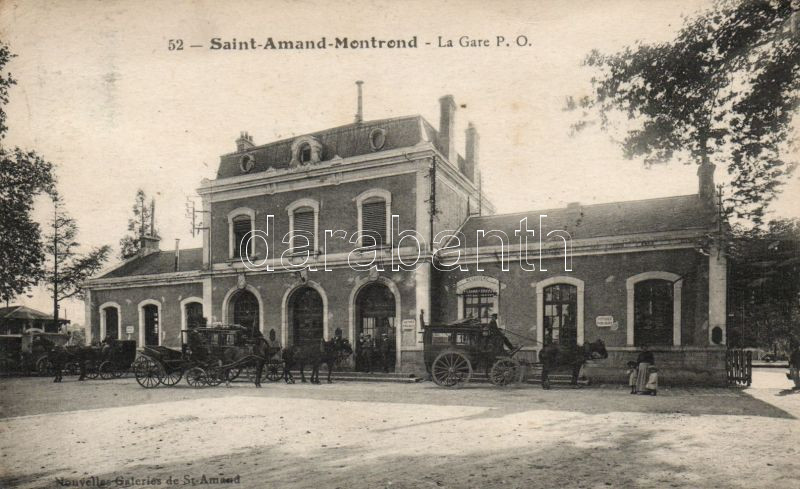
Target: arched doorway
{"x": 653, "y": 313}
{"x": 375, "y": 319}
{"x": 151, "y": 322}
{"x": 560, "y": 315}
{"x": 244, "y": 310}
{"x": 306, "y": 316}
{"x": 111, "y": 317}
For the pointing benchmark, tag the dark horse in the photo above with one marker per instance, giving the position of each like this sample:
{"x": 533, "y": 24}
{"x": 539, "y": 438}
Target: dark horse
{"x": 554, "y": 357}
{"x": 328, "y": 352}
{"x": 59, "y": 356}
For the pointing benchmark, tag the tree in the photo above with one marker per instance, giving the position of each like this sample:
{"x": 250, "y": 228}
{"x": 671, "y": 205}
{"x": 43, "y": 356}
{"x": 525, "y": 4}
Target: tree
{"x": 143, "y": 217}
{"x": 66, "y": 270}
{"x": 23, "y": 176}
{"x": 765, "y": 285}
{"x": 725, "y": 90}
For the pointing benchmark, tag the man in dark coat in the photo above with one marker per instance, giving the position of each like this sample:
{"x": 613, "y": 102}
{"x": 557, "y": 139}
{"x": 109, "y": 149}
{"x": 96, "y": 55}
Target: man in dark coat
{"x": 494, "y": 329}
{"x": 385, "y": 347}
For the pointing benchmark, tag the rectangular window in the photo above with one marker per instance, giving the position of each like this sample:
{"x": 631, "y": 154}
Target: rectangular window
{"x": 373, "y": 219}
{"x": 241, "y": 228}
{"x": 303, "y": 238}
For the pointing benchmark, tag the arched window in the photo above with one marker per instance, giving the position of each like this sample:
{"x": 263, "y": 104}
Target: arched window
{"x": 303, "y": 221}
{"x": 654, "y": 309}
{"x": 479, "y": 302}
{"x": 245, "y": 309}
{"x": 240, "y": 222}
{"x": 374, "y": 212}
{"x": 653, "y": 313}
{"x": 194, "y": 315}
{"x": 560, "y": 314}
{"x": 110, "y": 321}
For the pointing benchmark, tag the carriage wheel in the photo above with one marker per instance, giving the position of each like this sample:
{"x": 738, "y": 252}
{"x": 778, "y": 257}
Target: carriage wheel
{"x": 506, "y": 371}
{"x": 216, "y": 375}
{"x": 72, "y": 368}
{"x": 118, "y": 373}
{"x": 170, "y": 377}
{"x": 92, "y": 370}
{"x": 107, "y": 370}
{"x": 44, "y": 367}
{"x": 274, "y": 370}
{"x": 147, "y": 373}
{"x": 196, "y": 377}
{"x": 451, "y": 369}
{"x": 234, "y": 373}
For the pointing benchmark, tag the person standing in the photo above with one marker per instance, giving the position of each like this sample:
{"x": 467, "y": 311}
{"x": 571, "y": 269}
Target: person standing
{"x": 644, "y": 361}
{"x": 794, "y": 366}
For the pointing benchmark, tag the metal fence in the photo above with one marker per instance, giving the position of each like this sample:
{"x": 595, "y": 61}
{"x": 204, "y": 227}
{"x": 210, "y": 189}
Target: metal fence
{"x": 739, "y": 364}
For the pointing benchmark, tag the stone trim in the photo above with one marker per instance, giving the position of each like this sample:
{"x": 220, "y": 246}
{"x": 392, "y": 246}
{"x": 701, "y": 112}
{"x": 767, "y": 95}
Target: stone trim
{"x": 102, "y": 315}
{"x": 579, "y": 320}
{"x": 284, "y": 333}
{"x": 677, "y": 285}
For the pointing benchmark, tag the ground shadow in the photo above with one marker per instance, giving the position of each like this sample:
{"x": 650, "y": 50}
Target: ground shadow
{"x": 628, "y": 460}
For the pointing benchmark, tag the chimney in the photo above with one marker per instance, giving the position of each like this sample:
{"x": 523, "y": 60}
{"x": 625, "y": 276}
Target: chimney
{"x": 472, "y": 153}
{"x": 705, "y": 177}
{"x": 244, "y": 142}
{"x": 177, "y": 254}
{"x": 447, "y": 123}
{"x": 360, "y": 112}
{"x": 148, "y": 245}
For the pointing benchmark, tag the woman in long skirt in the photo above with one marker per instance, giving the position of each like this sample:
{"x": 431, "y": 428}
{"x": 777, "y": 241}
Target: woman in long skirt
{"x": 643, "y": 363}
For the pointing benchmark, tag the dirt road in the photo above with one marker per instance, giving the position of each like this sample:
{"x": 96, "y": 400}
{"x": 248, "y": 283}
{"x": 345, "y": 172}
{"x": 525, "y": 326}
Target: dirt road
{"x": 354, "y": 435}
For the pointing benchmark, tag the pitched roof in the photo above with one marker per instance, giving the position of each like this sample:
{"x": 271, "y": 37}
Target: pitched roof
{"x": 22, "y": 312}
{"x": 603, "y": 220}
{"x": 159, "y": 262}
{"x": 343, "y": 141}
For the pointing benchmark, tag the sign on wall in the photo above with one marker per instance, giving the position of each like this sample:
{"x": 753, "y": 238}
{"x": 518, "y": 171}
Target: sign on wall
{"x": 409, "y": 324}
{"x": 128, "y": 329}
{"x": 604, "y": 321}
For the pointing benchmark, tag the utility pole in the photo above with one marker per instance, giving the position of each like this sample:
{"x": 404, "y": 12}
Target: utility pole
{"x": 55, "y": 262}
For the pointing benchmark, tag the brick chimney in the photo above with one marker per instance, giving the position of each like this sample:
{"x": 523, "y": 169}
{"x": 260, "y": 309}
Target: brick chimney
{"x": 447, "y": 124}
{"x": 472, "y": 153}
{"x": 705, "y": 177}
{"x": 244, "y": 142}
{"x": 148, "y": 245}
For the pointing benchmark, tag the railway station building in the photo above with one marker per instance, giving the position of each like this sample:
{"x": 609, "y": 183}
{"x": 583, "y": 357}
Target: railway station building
{"x": 371, "y": 226}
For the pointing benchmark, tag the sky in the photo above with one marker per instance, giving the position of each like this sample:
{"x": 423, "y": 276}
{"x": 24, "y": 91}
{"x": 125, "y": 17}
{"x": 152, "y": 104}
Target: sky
{"x": 100, "y": 94}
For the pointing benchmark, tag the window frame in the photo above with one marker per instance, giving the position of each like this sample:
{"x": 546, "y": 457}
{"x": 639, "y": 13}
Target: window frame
{"x": 294, "y": 207}
{"x": 677, "y": 287}
{"x": 369, "y": 197}
{"x": 232, "y": 244}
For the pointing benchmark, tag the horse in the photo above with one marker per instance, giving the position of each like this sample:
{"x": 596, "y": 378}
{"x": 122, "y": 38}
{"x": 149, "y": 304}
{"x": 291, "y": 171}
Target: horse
{"x": 59, "y": 356}
{"x": 553, "y": 356}
{"x": 328, "y": 352}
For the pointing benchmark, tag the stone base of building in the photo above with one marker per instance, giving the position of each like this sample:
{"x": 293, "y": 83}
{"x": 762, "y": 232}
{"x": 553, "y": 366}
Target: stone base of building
{"x": 677, "y": 366}
{"x": 412, "y": 362}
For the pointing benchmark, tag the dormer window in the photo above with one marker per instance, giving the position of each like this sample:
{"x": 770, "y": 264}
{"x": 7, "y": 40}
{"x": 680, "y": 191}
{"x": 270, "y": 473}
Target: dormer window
{"x": 246, "y": 163}
{"x": 306, "y": 150}
{"x": 305, "y": 153}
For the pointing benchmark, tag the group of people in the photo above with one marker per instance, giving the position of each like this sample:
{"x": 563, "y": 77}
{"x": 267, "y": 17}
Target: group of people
{"x": 367, "y": 347}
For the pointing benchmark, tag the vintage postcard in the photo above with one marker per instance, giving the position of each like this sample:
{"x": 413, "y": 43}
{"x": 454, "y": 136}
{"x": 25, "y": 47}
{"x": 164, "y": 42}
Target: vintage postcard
{"x": 380, "y": 244}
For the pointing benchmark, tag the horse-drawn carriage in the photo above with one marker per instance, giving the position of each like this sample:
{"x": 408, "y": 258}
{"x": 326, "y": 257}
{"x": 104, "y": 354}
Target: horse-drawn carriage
{"x": 452, "y": 351}
{"x": 109, "y": 360}
{"x": 208, "y": 356}
{"x": 27, "y": 352}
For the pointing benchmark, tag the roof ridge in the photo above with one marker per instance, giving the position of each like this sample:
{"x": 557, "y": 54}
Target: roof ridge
{"x": 585, "y": 205}
{"x": 331, "y": 130}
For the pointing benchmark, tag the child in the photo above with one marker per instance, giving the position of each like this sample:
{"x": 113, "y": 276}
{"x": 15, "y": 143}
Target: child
{"x": 632, "y": 374}
{"x": 651, "y": 388}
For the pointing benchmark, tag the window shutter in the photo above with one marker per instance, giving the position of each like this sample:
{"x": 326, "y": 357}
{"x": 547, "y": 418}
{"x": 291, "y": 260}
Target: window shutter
{"x": 303, "y": 226}
{"x": 373, "y": 219}
{"x": 241, "y": 226}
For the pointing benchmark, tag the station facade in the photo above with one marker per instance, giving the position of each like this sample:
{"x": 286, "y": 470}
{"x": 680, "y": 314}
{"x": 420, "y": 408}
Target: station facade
{"x": 372, "y": 226}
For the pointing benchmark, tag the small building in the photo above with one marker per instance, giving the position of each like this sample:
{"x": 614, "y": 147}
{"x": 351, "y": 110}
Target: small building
{"x": 365, "y": 227}
{"x": 18, "y": 319}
